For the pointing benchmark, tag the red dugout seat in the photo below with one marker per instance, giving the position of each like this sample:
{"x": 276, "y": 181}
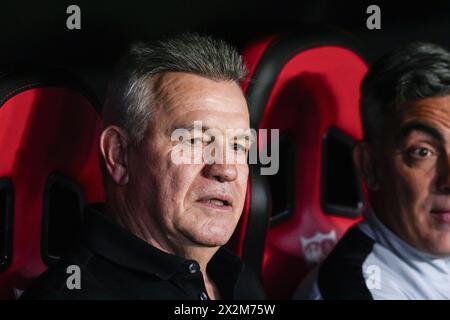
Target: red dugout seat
{"x": 307, "y": 85}
{"x": 48, "y": 169}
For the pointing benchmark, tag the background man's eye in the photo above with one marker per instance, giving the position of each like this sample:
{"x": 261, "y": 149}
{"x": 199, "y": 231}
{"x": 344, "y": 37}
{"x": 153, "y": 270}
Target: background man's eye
{"x": 420, "y": 152}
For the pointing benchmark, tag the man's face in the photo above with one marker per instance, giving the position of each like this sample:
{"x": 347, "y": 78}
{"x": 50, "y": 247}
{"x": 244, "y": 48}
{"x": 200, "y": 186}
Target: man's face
{"x": 192, "y": 204}
{"x": 414, "y": 181}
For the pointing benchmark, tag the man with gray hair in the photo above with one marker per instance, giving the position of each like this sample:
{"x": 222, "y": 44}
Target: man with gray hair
{"x": 161, "y": 231}
{"x": 402, "y": 248}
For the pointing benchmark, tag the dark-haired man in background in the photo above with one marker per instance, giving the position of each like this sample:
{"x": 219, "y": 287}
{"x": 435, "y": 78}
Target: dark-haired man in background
{"x": 402, "y": 248}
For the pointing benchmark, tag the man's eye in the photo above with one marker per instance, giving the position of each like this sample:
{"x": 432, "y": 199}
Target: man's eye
{"x": 420, "y": 153}
{"x": 239, "y": 147}
{"x": 195, "y": 141}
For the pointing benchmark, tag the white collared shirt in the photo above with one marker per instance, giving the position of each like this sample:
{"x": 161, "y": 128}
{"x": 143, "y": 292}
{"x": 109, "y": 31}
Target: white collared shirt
{"x": 390, "y": 268}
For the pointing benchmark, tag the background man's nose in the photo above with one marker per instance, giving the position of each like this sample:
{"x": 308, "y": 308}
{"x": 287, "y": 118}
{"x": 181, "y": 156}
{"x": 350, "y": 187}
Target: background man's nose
{"x": 221, "y": 172}
{"x": 444, "y": 187}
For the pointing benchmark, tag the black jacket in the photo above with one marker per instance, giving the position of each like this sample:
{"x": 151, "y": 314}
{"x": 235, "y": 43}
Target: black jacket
{"x": 115, "y": 264}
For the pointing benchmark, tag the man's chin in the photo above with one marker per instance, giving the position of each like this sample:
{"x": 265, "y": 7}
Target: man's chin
{"x": 211, "y": 240}
{"x": 441, "y": 253}
{"x": 440, "y": 246}
{"x": 208, "y": 239}
{"x": 214, "y": 241}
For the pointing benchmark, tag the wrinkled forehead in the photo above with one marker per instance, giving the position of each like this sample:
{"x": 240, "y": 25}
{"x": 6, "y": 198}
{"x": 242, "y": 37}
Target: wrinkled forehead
{"x": 185, "y": 98}
{"x": 430, "y": 116}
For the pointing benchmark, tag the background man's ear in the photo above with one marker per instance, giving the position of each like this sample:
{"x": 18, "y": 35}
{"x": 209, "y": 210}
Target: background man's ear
{"x": 366, "y": 163}
{"x": 113, "y": 146}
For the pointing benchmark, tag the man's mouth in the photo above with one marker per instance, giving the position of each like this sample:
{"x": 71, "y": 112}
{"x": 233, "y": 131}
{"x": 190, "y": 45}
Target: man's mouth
{"x": 216, "y": 202}
{"x": 442, "y": 215}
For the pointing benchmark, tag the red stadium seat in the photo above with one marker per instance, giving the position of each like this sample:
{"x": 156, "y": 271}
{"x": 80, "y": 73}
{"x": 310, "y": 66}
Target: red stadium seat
{"x": 48, "y": 169}
{"x": 307, "y": 85}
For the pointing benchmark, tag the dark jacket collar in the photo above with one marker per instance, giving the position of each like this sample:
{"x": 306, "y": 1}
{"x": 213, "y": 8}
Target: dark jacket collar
{"x": 108, "y": 239}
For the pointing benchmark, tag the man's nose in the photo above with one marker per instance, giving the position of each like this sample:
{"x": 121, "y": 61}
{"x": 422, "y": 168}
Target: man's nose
{"x": 221, "y": 172}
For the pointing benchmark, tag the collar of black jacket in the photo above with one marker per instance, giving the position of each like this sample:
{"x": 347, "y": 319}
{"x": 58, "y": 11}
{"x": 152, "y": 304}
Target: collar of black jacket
{"x": 111, "y": 241}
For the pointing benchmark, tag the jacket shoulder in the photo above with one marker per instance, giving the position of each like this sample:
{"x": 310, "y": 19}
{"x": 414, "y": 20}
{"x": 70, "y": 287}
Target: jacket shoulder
{"x": 341, "y": 274}
{"x": 68, "y": 279}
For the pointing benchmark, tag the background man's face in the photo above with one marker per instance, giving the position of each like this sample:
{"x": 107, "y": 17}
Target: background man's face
{"x": 415, "y": 175}
{"x": 192, "y": 204}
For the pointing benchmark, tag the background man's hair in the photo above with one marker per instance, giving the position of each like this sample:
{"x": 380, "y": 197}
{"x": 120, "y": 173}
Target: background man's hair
{"x": 410, "y": 73}
{"x": 133, "y": 91}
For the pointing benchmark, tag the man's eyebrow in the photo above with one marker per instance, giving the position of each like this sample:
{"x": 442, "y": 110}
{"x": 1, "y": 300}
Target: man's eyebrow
{"x": 243, "y": 136}
{"x": 191, "y": 127}
{"x": 406, "y": 129}
{"x": 188, "y": 128}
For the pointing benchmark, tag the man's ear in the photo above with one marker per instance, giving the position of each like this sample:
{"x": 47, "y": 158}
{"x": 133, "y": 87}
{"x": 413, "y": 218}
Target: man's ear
{"x": 114, "y": 146}
{"x": 366, "y": 163}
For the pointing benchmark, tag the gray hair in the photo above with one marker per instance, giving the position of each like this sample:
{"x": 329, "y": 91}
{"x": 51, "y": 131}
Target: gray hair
{"x": 133, "y": 91}
{"x": 410, "y": 73}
